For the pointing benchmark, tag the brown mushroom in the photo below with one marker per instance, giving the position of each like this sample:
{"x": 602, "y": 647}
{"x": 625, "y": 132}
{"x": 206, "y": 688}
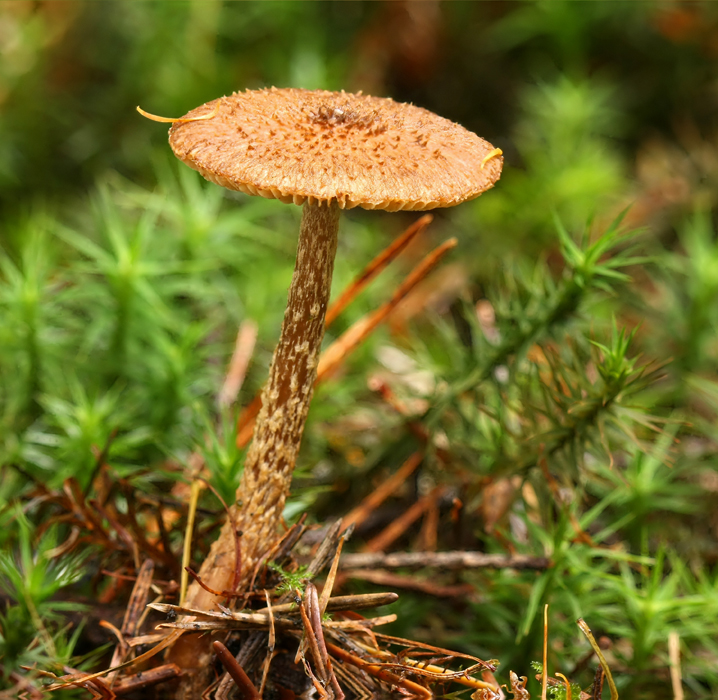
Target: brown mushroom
{"x": 327, "y": 151}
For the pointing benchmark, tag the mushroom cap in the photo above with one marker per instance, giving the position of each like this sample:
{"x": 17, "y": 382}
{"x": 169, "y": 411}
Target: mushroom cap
{"x": 318, "y": 146}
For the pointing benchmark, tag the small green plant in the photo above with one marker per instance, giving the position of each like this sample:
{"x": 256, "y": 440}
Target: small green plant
{"x": 31, "y": 626}
{"x": 290, "y": 581}
{"x": 223, "y": 459}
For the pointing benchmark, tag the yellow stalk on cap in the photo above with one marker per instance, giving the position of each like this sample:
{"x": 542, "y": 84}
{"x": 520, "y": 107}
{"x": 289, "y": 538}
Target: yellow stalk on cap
{"x": 492, "y": 154}
{"x": 181, "y": 120}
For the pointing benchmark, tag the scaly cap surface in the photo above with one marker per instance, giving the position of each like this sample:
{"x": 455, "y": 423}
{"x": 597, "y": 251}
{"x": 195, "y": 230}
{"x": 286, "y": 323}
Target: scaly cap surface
{"x": 319, "y": 146}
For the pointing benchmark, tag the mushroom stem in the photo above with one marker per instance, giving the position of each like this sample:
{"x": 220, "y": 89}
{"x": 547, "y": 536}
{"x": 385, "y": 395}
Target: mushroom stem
{"x": 270, "y": 460}
{"x": 286, "y": 396}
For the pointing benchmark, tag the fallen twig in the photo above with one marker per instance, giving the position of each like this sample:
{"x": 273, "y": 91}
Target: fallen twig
{"x": 135, "y": 608}
{"x": 335, "y": 354}
{"x": 398, "y": 526}
{"x": 145, "y": 679}
{"x": 375, "y": 267}
{"x": 444, "y": 560}
{"x": 383, "y": 491}
{"x": 411, "y": 583}
{"x": 236, "y": 672}
{"x": 243, "y": 349}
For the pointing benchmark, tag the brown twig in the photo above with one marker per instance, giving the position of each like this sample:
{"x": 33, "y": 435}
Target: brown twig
{"x": 376, "y": 266}
{"x": 429, "y": 535}
{"x": 343, "y": 602}
{"x": 325, "y": 551}
{"x": 135, "y": 608}
{"x": 272, "y": 633}
{"x": 224, "y": 594}
{"x": 311, "y": 641}
{"x": 245, "y": 422}
{"x": 265, "y": 670}
{"x": 442, "y": 560}
{"x": 332, "y": 575}
{"x": 221, "y": 623}
{"x": 419, "y": 666}
{"x": 23, "y": 688}
{"x": 247, "y": 689}
{"x": 97, "y": 687}
{"x": 376, "y": 670}
{"x": 335, "y": 354}
{"x": 314, "y": 612}
{"x": 411, "y": 583}
{"x": 145, "y": 639}
{"x": 398, "y": 527}
{"x": 145, "y": 679}
{"x": 242, "y": 619}
{"x": 353, "y": 682}
{"x": 65, "y": 546}
{"x": 168, "y": 586}
{"x": 383, "y": 491}
{"x": 168, "y": 640}
{"x": 243, "y": 349}
{"x": 597, "y": 686}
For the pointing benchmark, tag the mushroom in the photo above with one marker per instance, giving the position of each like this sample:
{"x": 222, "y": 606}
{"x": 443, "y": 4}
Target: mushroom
{"x": 326, "y": 151}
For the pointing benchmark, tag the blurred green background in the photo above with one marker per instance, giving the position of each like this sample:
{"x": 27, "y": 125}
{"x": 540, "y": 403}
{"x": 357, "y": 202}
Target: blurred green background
{"x": 124, "y": 278}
